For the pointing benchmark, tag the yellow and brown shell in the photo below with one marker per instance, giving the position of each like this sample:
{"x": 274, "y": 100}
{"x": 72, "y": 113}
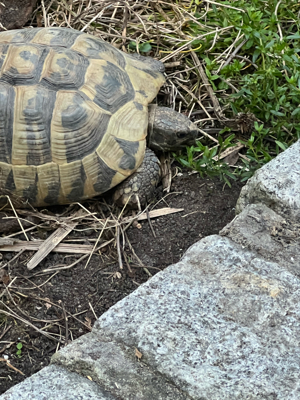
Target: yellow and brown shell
{"x": 73, "y": 114}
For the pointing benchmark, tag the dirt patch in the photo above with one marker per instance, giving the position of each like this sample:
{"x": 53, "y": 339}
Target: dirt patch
{"x": 65, "y": 304}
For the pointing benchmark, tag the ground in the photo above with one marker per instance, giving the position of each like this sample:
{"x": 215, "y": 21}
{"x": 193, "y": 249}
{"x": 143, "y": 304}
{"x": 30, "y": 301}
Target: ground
{"x": 64, "y": 303}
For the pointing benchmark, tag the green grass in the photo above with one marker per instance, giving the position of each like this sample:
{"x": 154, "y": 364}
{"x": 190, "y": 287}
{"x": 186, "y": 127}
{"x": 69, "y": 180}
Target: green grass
{"x": 268, "y": 86}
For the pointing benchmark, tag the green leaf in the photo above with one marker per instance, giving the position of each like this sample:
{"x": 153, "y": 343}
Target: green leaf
{"x": 132, "y": 45}
{"x": 231, "y": 175}
{"x": 296, "y": 111}
{"x": 295, "y": 36}
{"x": 227, "y": 181}
{"x": 287, "y": 58}
{"x": 248, "y": 44}
{"x": 256, "y": 53}
{"x": 278, "y": 113}
{"x": 281, "y": 145}
{"x": 145, "y": 47}
{"x": 270, "y": 44}
{"x": 208, "y": 74}
{"x": 184, "y": 162}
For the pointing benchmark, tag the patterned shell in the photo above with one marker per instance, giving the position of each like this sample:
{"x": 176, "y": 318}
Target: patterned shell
{"x": 73, "y": 114}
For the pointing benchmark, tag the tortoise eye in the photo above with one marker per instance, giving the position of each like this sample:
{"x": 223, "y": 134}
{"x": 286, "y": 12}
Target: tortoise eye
{"x": 180, "y": 135}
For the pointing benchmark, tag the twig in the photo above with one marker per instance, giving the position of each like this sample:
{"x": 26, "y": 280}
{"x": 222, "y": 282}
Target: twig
{"x": 6, "y": 288}
{"x": 96, "y": 243}
{"x": 49, "y": 244}
{"x": 21, "y": 245}
{"x": 225, "y": 5}
{"x": 93, "y": 311}
{"x": 63, "y": 267}
{"x": 118, "y": 247}
{"x": 44, "y": 14}
{"x": 186, "y": 45}
{"x": 135, "y": 255}
{"x": 157, "y": 213}
{"x": 26, "y": 322}
{"x": 126, "y": 261}
{"x": 4, "y": 331}
{"x": 16, "y": 215}
{"x": 66, "y": 324}
{"x": 150, "y": 224}
{"x": 11, "y": 366}
{"x": 234, "y": 53}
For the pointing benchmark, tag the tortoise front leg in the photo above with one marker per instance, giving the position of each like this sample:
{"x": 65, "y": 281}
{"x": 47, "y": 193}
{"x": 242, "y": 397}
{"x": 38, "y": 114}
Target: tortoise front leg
{"x": 140, "y": 187}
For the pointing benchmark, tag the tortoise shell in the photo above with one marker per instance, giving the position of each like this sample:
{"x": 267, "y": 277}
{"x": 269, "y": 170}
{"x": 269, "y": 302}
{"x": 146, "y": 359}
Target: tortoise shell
{"x": 73, "y": 114}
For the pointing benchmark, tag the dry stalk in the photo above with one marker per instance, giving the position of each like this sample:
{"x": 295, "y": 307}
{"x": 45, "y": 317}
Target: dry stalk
{"x": 14, "y": 315}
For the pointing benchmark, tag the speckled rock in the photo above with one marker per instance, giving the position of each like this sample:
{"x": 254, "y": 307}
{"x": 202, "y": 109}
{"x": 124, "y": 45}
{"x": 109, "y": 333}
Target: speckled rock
{"x": 276, "y": 184}
{"x": 56, "y": 383}
{"x": 275, "y": 238}
{"x": 222, "y": 324}
{"x": 116, "y": 368}
{"x": 15, "y": 13}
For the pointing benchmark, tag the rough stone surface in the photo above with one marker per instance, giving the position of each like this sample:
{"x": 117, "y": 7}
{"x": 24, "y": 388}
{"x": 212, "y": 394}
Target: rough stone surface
{"x": 116, "y": 368}
{"x": 15, "y": 13}
{"x": 275, "y": 238}
{"x": 276, "y": 184}
{"x": 221, "y": 324}
{"x": 56, "y": 383}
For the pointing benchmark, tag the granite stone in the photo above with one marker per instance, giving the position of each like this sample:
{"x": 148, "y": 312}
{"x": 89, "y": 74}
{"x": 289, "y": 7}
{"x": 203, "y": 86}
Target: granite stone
{"x": 223, "y": 323}
{"x": 56, "y": 383}
{"x": 276, "y": 185}
{"x": 273, "y": 237}
{"x": 116, "y": 368}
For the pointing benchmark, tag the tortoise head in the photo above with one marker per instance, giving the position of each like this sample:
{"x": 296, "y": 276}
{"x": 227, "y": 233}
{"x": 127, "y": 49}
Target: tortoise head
{"x": 169, "y": 130}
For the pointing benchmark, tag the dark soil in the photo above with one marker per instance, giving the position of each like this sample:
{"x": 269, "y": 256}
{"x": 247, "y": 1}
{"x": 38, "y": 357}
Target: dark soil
{"x": 64, "y": 304}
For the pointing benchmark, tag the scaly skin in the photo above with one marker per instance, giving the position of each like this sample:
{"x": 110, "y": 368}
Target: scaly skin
{"x": 139, "y": 188}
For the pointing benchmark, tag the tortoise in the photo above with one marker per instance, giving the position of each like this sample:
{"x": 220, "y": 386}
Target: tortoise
{"x": 76, "y": 117}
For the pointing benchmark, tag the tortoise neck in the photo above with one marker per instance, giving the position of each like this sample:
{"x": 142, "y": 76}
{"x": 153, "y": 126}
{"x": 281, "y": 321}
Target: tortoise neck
{"x": 151, "y": 117}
